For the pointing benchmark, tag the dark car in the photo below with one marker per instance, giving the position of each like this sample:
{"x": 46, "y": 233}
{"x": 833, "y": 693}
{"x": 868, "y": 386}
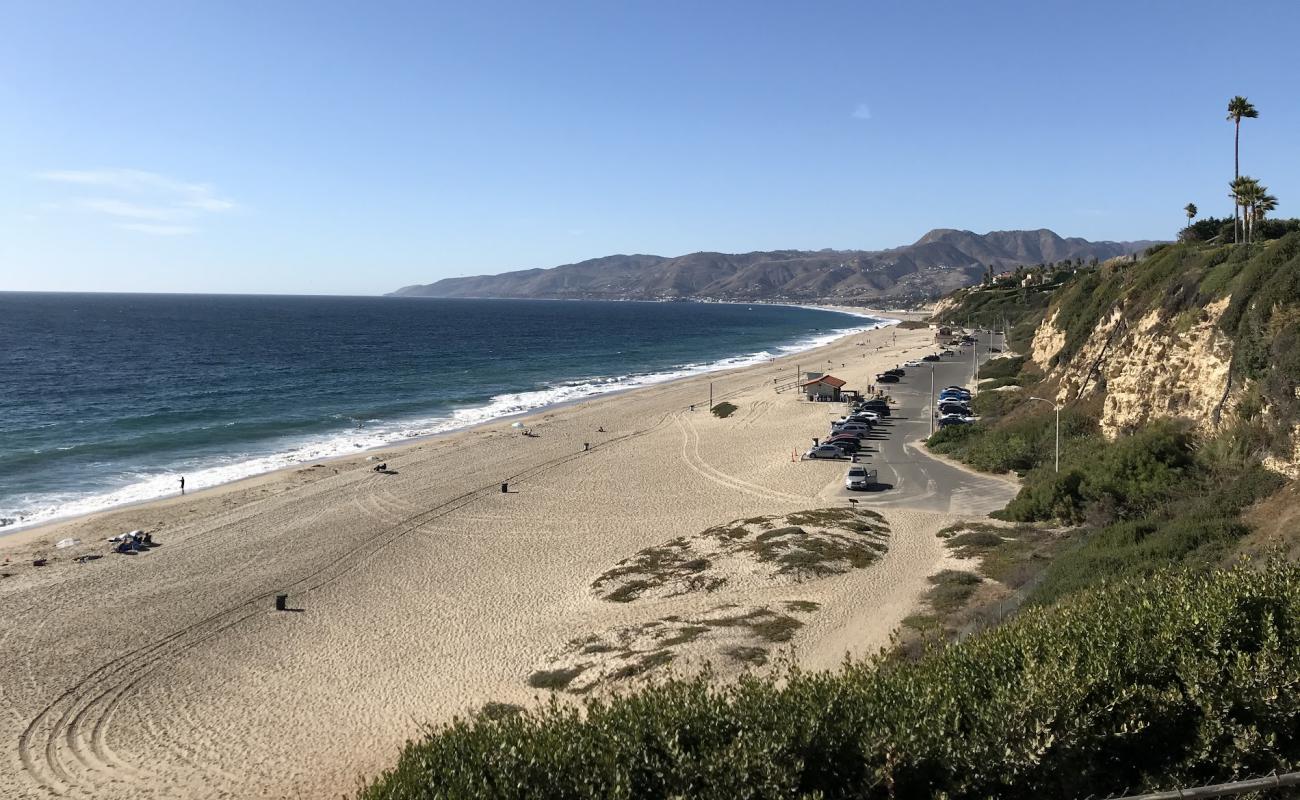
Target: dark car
{"x": 885, "y": 377}
{"x": 848, "y": 444}
{"x": 931, "y": 357}
{"x": 899, "y": 371}
{"x": 878, "y": 407}
{"x": 946, "y": 422}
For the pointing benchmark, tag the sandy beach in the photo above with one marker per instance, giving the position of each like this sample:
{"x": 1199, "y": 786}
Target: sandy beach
{"x": 426, "y": 593}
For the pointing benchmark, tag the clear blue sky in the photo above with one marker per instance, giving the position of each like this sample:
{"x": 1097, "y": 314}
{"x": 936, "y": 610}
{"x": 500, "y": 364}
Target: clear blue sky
{"x": 353, "y": 148}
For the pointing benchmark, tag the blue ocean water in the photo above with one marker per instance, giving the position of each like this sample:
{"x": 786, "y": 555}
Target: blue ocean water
{"x": 106, "y": 399}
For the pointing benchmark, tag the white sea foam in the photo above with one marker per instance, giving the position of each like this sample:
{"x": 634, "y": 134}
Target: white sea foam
{"x": 36, "y": 510}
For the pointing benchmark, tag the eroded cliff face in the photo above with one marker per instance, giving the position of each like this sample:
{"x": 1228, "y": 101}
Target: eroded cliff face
{"x": 1149, "y": 369}
{"x": 1048, "y": 341}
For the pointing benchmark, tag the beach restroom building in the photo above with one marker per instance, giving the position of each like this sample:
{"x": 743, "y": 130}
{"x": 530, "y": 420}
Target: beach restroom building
{"x": 822, "y": 387}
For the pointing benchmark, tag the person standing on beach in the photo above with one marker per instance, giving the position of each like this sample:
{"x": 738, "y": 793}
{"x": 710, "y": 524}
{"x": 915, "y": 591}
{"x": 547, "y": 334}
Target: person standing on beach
{"x": 182, "y": 484}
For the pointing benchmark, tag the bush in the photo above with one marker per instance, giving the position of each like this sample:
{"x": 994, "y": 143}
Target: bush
{"x": 1008, "y": 367}
{"x": 1178, "y": 680}
{"x": 724, "y": 410}
{"x": 1198, "y": 525}
{"x": 1129, "y": 477}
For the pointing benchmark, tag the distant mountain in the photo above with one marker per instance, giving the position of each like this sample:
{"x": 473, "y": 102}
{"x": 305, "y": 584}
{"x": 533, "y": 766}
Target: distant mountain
{"x": 937, "y": 263}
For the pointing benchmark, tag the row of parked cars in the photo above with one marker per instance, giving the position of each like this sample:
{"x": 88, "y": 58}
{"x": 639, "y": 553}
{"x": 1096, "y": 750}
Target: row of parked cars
{"x": 954, "y": 406}
{"x": 848, "y": 431}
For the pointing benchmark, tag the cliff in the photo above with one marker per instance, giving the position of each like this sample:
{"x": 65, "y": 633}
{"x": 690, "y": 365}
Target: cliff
{"x": 1208, "y": 334}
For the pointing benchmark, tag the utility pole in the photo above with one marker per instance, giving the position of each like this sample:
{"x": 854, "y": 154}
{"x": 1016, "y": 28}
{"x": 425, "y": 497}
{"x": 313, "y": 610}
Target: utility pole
{"x": 931, "y": 399}
{"x": 1057, "y": 469}
{"x": 974, "y": 348}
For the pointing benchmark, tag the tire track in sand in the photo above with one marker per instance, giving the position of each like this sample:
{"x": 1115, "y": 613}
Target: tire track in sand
{"x": 696, "y": 463}
{"x": 64, "y": 748}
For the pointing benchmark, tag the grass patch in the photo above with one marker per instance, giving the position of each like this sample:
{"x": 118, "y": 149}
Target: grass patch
{"x": 756, "y": 656}
{"x": 554, "y": 680}
{"x": 724, "y": 410}
{"x": 951, "y": 589}
{"x": 491, "y": 712}
{"x": 685, "y": 635}
{"x": 802, "y": 606}
{"x": 913, "y": 325}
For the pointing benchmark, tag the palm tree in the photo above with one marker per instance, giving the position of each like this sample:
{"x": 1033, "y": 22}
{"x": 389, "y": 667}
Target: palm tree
{"x": 1191, "y": 210}
{"x": 1242, "y": 191}
{"x": 1239, "y": 108}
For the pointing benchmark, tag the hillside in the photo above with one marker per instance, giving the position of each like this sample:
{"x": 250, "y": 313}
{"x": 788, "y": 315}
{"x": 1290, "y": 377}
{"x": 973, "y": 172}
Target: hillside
{"x": 1205, "y": 334}
{"x": 939, "y": 262}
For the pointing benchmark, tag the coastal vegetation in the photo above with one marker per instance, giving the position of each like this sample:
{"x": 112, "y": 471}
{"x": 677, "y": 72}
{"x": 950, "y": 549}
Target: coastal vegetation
{"x": 1182, "y": 678}
{"x": 724, "y": 409}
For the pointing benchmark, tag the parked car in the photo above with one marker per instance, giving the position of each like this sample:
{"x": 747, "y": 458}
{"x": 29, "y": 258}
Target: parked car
{"x": 860, "y": 478}
{"x": 865, "y": 416}
{"x": 895, "y": 371}
{"x": 912, "y": 363}
{"x": 995, "y": 349}
{"x": 954, "y": 419}
{"x": 851, "y": 427}
{"x": 931, "y": 357}
{"x": 885, "y": 377}
{"x": 877, "y": 407}
{"x": 849, "y": 444}
{"x": 825, "y": 451}
{"x": 954, "y": 408}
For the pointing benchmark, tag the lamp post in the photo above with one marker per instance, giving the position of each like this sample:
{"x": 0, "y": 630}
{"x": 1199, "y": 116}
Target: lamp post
{"x": 932, "y": 409}
{"x": 1058, "y": 430}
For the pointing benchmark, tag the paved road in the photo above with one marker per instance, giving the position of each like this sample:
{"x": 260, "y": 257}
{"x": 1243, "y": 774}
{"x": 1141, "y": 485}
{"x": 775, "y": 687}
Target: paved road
{"x": 910, "y": 477}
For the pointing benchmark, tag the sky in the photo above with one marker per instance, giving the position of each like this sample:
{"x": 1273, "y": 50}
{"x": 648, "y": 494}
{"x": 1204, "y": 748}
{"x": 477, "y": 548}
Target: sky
{"x": 353, "y": 148}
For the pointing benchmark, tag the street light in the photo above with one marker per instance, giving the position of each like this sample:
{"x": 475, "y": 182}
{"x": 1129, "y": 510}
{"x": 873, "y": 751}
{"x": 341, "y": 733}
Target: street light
{"x": 932, "y": 399}
{"x": 1058, "y": 429}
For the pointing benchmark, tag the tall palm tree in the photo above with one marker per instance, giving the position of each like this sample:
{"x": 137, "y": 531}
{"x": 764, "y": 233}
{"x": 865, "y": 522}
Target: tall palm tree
{"x": 1191, "y": 210}
{"x": 1239, "y": 108}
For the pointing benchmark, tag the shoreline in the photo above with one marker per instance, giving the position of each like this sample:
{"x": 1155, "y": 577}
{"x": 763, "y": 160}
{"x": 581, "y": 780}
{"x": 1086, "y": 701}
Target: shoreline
{"x": 13, "y": 535}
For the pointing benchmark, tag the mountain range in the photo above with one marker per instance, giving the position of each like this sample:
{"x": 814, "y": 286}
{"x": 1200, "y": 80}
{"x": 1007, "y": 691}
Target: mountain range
{"x": 939, "y": 262}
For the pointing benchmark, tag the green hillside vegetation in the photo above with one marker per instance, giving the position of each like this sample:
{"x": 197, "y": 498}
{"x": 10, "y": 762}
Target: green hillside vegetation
{"x": 1181, "y": 679}
{"x": 1159, "y": 495}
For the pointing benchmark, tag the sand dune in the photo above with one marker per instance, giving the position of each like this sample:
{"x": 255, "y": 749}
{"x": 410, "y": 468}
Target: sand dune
{"x": 426, "y": 593}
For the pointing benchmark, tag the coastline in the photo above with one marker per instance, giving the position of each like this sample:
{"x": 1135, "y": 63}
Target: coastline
{"x": 12, "y": 535}
{"x": 424, "y": 593}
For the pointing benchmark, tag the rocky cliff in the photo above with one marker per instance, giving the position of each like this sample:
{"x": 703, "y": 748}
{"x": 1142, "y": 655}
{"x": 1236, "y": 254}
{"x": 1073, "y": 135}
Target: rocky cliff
{"x": 1209, "y": 334}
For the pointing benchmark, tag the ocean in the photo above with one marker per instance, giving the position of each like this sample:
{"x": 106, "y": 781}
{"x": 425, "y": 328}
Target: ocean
{"x": 107, "y": 399}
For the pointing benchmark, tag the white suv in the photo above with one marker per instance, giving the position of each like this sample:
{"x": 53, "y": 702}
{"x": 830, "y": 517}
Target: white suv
{"x": 859, "y": 478}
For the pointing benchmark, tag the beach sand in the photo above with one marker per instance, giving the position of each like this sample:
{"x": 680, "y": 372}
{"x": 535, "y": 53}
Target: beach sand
{"x": 423, "y": 594}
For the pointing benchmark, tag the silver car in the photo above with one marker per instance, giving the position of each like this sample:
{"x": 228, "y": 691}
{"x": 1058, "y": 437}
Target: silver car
{"x": 859, "y": 478}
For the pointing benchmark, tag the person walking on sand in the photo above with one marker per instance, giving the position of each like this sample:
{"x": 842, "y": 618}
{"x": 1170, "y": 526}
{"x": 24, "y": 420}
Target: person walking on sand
{"x": 182, "y": 484}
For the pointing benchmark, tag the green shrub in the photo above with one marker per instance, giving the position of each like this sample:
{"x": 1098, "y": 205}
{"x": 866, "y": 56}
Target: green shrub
{"x": 1177, "y": 680}
{"x": 724, "y": 410}
{"x": 1008, "y": 367}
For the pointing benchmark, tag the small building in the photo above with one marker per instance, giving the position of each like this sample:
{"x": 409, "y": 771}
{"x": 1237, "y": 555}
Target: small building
{"x": 825, "y": 387}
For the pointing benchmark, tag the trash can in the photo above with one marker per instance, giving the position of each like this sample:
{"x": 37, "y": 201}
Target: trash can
{"x": 280, "y": 600}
